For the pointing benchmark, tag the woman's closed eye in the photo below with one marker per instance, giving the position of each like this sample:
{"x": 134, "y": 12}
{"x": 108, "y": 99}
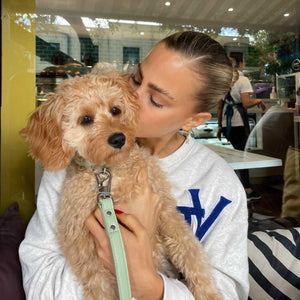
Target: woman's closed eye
{"x": 155, "y": 103}
{"x": 137, "y": 82}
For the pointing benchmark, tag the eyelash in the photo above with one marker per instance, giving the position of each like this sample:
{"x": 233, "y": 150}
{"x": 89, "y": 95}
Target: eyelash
{"x": 155, "y": 103}
{"x": 135, "y": 82}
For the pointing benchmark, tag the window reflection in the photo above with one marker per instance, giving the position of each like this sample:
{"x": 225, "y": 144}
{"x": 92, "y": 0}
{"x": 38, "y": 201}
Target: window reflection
{"x": 68, "y": 46}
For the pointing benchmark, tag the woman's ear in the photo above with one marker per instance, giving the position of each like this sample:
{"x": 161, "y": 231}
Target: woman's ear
{"x": 196, "y": 120}
{"x": 45, "y": 136}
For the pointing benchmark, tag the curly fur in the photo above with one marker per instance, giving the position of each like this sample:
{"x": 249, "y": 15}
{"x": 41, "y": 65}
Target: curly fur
{"x": 56, "y": 135}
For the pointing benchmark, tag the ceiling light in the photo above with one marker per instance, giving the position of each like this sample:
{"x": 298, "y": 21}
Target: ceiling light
{"x": 148, "y": 23}
{"x": 59, "y": 21}
{"x": 230, "y": 9}
{"x": 142, "y": 33}
{"x": 167, "y": 3}
{"x": 286, "y": 15}
{"x": 98, "y": 22}
{"x": 88, "y": 22}
{"x": 126, "y": 21}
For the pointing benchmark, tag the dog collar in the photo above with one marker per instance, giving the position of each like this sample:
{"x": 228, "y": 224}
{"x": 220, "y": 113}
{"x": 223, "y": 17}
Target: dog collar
{"x": 84, "y": 164}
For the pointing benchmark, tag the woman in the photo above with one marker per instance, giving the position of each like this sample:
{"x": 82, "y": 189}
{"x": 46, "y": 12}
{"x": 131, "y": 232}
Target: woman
{"x": 235, "y": 125}
{"x": 182, "y": 77}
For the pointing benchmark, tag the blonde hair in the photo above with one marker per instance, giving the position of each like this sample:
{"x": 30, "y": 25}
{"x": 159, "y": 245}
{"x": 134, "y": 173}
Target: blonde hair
{"x": 209, "y": 61}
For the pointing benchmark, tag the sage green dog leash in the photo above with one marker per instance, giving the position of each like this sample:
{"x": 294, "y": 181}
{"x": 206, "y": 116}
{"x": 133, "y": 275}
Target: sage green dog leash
{"x": 105, "y": 203}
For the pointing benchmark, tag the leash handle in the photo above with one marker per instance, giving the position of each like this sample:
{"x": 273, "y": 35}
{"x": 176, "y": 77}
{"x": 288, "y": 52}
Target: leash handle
{"x": 116, "y": 242}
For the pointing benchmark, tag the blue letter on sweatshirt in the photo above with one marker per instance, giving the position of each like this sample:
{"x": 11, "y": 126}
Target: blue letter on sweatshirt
{"x": 199, "y": 212}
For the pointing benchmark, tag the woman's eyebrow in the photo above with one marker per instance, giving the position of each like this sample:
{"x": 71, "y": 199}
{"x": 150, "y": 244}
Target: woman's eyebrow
{"x": 154, "y": 86}
{"x": 161, "y": 91}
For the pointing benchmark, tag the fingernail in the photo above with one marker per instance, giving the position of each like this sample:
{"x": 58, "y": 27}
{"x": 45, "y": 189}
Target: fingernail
{"x": 118, "y": 212}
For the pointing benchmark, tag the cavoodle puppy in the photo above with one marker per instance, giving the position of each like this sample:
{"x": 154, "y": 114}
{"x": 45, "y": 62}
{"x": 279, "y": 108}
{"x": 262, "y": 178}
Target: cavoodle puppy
{"x": 92, "y": 120}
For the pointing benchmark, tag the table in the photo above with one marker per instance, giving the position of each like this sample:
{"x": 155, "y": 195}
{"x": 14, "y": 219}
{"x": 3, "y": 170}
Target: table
{"x": 245, "y": 160}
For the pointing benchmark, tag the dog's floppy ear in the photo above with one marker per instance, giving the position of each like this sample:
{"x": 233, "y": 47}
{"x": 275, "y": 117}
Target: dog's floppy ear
{"x": 45, "y": 136}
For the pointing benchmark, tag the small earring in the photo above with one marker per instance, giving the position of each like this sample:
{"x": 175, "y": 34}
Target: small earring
{"x": 186, "y": 134}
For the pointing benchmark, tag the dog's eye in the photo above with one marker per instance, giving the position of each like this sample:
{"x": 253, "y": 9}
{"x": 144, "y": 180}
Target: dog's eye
{"x": 115, "y": 111}
{"x": 86, "y": 120}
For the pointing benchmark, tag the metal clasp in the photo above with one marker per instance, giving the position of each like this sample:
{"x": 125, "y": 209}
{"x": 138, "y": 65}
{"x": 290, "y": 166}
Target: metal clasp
{"x": 103, "y": 179}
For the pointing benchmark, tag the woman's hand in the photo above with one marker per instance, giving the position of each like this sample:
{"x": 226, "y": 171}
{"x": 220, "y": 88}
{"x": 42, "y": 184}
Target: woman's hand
{"x": 146, "y": 206}
{"x": 261, "y": 105}
{"x": 145, "y": 282}
{"x": 136, "y": 226}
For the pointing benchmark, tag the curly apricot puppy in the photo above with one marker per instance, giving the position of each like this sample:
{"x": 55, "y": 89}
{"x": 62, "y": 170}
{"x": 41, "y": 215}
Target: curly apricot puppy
{"x": 93, "y": 119}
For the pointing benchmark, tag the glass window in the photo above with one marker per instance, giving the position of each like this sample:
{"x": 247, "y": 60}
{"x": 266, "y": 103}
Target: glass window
{"x": 71, "y": 37}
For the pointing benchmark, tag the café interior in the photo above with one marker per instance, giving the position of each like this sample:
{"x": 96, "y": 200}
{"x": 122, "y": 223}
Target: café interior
{"x": 45, "y": 42}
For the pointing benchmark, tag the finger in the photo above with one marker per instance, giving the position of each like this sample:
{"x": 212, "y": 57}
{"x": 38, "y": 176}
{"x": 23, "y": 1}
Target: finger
{"x": 96, "y": 229}
{"x": 130, "y": 223}
{"x": 98, "y": 216}
{"x": 103, "y": 247}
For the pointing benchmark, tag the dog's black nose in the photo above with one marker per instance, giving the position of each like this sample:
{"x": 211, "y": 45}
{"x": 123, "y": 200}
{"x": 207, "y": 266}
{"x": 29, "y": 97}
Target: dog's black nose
{"x": 117, "y": 140}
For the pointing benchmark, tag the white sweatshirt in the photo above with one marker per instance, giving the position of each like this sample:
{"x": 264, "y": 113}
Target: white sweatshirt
{"x": 207, "y": 192}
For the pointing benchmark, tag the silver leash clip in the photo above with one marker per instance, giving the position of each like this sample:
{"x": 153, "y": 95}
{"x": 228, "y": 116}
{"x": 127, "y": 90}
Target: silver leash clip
{"x": 103, "y": 179}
